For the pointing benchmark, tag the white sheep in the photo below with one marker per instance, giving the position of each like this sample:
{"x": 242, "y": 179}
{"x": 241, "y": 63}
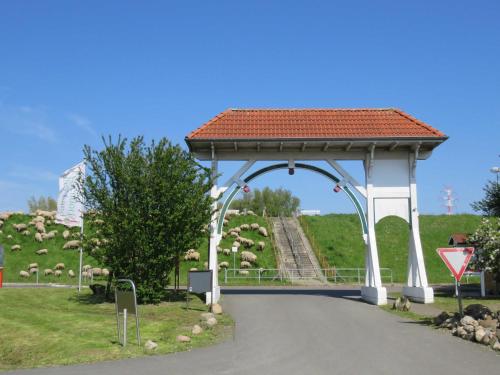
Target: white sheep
{"x": 224, "y": 264}
{"x": 24, "y": 274}
{"x": 248, "y": 256}
{"x": 236, "y": 244}
{"x": 105, "y": 272}
{"x": 261, "y": 245}
{"x": 38, "y": 237}
{"x": 85, "y": 274}
{"x": 42, "y": 252}
{"x": 71, "y": 273}
{"x": 244, "y": 272}
{"x": 192, "y": 254}
{"x": 235, "y": 229}
{"x": 40, "y": 227}
{"x": 74, "y": 244}
{"x": 33, "y": 270}
{"x": 245, "y": 264}
{"x": 226, "y": 252}
{"x": 26, "y": 233}
{"x": 16, "y": 248}
{"x": 20, "y": 227}
{"x": 219, "y": 249}
{"x": 254, "y": 226}
{"x": 96, "y": 271}
{"x": 66, "y": 234}
{"x": 86, "y": 267}
{"x": 59, "y": 266}
{"x": 48, "y": 272}
{"x": 58, "y": 273}
{"x": 263, "y": 231}
{"x": 245, "y": 227}
{"x": 33, "y": 265}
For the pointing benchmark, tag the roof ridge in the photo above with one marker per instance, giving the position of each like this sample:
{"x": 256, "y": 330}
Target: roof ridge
{"x": 310, "y": 109}
{"x": 203, "y": 126}
{"x": 419, "y": 123}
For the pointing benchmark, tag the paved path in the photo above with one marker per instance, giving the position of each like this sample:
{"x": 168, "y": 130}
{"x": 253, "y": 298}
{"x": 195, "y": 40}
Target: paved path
{"x": 312, "y": 331}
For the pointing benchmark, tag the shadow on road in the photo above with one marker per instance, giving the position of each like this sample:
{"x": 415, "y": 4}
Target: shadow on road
{"x": 352, "y": 294}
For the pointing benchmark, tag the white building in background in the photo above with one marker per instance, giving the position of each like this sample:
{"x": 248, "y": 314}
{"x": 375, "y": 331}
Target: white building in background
{"x": 310, "y": 212}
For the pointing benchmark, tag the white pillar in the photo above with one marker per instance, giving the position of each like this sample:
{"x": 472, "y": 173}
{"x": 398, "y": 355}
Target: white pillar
{"x": 213, "y": 241}
{"x": 417, "y": 288}
{"x": 373, "y": 291}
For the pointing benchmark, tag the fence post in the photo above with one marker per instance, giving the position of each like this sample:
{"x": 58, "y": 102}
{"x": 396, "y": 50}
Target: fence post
{"x": 259, "y": 276}
{"x": 359, "y": 278}
{"x": 225, "y": 275}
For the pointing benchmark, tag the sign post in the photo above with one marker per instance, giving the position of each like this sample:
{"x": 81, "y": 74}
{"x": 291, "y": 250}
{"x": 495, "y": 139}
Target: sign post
{"x": 126, "y": 304}
{"x": 234, "y": 249}
{"x": 457, "y": 259}
{"x": 70, "y": 205}
{"x": 1, "y": 266}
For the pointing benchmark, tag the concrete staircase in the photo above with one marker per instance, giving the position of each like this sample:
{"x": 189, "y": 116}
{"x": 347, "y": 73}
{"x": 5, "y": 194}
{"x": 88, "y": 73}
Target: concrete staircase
{"x": 297, "y": 259}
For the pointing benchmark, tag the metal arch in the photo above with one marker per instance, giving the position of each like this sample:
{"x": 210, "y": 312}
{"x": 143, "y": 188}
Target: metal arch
{"x": 352, "y": 197}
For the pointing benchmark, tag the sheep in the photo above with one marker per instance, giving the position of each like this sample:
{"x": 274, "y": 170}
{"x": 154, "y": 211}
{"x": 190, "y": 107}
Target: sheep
{"x": 85, "y": 274}
{"x": 66, "y": 234}
{"x": 219, "y": 249}
{"x": 245, "y": 264}
{"x": 248, "y": 256}
{"x": 48, "y": 272}
{"x": 59, "y": 266}
{"x": 244, "y": 272}
{"x": 26, "y": 233}
{"x": 261, "y": 245}
{"x": 263, "y": 231}
{"x": 205, "y": 265}
{"x": 9, "y": 236}
{"x": 95, "y": 241}
{"x": 226, "y": 221}
{"x": 236, "y": 244}
{"x": 98, "y": 222}
{"x": 33, "y": 270}
{"x": 86, "y": 267}
{"x": 96, "y": 271}
{"x": 192, "y": 254}
{"x": 48, "y": 236}
{"x": 4, "y": 216}
{"x": 16, "y": 248}
{"x": 46, "y": 214}
{"x": 224, "y": 264}
{"x": 24, "y": 274}
{"x": 38, "y": 219}
{"x": 74, "y": 244}
{"x": 40, "y": 227}
{"x": 58, "y": 273}
{"x": 254, "y": 226}
{"x": 245, "y": 227}
{"x": 33, "y": 265}
{"x": 224, "y": 234}
{"x": 226, "y": 252}
{"x": 193, "y": 269}
{"x": 234, "y": 234}
{"x": 71, "y": 273}
{"x": 105, "y": 272}
{"x": 20, "y": 227}
{"x": 251, "y": 213}
{"x": 246, "y": 242}
{"x": 235, "y": 229}
{"x": 38, "y": 237}
{"x": 42, "y": 252}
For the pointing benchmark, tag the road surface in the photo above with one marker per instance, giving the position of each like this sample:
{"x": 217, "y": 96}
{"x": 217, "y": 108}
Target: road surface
{"x": 311, "y": 331}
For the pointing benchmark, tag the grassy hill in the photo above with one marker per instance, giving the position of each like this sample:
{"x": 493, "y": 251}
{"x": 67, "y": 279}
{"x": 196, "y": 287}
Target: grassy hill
{"x": 337, "y": 239}
{"x": 15, "y": 261}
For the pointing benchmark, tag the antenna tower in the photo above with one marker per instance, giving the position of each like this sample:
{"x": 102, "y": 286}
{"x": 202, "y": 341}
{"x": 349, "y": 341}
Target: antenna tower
{"x": 449, "y": 200}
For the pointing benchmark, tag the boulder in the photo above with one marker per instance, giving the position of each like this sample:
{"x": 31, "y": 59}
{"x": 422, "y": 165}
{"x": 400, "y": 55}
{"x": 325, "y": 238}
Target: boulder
{"x": 468, "y": 320}
{"x": 488, "y": 323}
{"x": 496, "y": 346}
{"x": 150, "y": 345}
{"x": 183, "y": 338}
{"x": 206, "y": 315}
{"x": 479, "y": 334}
{"x": 211, "y": 322}
{"x": 477, "y": 311}
{"x": 16, "y": 248}
{"x": 216, "y": 309}
{"x": 196, "y": 330}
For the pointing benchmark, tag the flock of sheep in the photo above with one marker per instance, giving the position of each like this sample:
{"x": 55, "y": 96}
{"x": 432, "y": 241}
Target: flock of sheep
{"x": 247, "y": 258}
{"x": 37, "y": 228}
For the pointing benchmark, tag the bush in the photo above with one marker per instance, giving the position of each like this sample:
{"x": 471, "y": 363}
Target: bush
{"x": 486, "y": 240}
{"x": 151, "y": 204}
{"x": 42, "y": 203}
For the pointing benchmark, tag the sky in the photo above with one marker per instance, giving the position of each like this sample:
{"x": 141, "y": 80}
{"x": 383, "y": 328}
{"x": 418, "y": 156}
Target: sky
{"x": 72, "y": 71}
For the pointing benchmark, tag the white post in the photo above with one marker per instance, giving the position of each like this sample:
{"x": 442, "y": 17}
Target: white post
{"x": 417, "y": 288}
{"x": 214, "y": 295}
{"x": 124, "y": 327}
{"x": 81, "y": 259}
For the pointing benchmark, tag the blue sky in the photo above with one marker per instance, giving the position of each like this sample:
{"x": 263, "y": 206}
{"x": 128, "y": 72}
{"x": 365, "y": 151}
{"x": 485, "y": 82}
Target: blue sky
{"x": 71, "y": 71}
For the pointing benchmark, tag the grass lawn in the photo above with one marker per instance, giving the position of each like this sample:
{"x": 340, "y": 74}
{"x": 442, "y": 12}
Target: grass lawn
{"x": 48, "y": 327}
{"x": 337, "y": 238}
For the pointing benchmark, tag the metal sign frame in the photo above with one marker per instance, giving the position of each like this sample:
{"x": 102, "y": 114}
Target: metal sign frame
{"x": 207, "y": 288}
{"x": 126, "y": 301}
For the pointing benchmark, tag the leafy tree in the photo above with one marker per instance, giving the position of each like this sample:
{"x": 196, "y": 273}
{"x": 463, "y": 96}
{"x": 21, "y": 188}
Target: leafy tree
{"x": 42, "y": 203}
{"x": 279, "y": 202}
{"x": 486, "y": 240}
{"x": 151, "y": 204}
{"x": 490, "y": 204}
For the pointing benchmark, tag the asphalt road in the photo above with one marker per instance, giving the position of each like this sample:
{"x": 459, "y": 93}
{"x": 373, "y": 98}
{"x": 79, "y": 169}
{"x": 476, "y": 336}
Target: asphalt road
{"x": 312, "y": 331}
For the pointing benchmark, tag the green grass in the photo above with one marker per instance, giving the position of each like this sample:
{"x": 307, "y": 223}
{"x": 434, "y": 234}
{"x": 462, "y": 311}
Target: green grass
{"x": 48, "y": 327}
{"x": 337, "y": 240}
{"x": 15, "y": 261}
{"x": 265, "y": 259}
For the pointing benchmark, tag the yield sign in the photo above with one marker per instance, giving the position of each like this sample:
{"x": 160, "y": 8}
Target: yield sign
{"x": 456, "y": 259}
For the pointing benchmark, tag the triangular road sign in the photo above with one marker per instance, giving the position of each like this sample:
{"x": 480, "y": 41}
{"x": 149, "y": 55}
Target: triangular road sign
{"x": 456, "y": 259}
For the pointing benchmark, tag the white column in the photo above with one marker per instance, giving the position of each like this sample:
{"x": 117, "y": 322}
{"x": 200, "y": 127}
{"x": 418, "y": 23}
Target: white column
{"x": 373, "y": 291}
{"x": 213, "y": 241}
{"x": 417, "y": 288}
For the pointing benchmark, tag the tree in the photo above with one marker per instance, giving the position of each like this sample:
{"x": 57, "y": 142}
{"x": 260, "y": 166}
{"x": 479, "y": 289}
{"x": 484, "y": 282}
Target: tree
{"x": 279, "y": 202}
{"x": 486, "y": 240}
{"x": 490, "y": 204}
{"x": 151, "y": 204}
{"x": 42, "y": 203}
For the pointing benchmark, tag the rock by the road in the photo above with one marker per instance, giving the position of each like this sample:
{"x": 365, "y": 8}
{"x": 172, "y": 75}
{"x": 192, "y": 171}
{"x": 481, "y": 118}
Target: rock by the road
{"x": 207, "y": 315}
{"x": 211, "y": 322}
{"x": 183, "y": 338}
{"x": 216, "y": 309}
{"x": 196, "y": 330}
{"x": 150, "y": 345}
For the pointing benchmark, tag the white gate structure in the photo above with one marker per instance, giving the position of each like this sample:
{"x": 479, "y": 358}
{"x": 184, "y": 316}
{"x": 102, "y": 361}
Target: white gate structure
{"x": 387, "y": 141}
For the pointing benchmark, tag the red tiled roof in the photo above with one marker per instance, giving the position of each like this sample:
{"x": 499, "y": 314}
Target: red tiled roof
{"x": 313, "y": 124}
